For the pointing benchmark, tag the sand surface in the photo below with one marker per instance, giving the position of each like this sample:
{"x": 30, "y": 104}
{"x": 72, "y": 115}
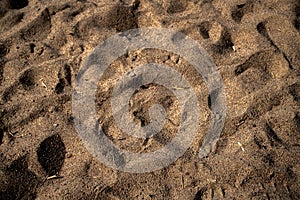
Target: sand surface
{"x": 256, "y": 46}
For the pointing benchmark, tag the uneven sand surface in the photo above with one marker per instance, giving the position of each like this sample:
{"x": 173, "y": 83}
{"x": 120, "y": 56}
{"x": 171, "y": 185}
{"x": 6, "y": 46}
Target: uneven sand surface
{"x": 256, "y": 46}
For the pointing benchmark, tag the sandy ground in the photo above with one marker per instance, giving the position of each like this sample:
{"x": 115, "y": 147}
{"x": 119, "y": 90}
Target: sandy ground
{"x": 256, "y": 46}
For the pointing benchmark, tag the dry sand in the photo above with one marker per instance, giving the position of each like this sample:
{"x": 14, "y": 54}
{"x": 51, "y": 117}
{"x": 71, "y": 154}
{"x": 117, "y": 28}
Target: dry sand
{"x": 256, "y": 46}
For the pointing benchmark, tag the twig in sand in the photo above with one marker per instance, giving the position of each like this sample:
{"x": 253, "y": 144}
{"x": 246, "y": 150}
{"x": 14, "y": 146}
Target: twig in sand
{"x": 54, "y": 177}
{"x": 43, "y": 84}
{"x": 241, "y": 146}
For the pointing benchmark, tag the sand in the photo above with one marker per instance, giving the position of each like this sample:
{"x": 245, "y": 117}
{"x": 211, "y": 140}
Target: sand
{"x": 256, "y": 47}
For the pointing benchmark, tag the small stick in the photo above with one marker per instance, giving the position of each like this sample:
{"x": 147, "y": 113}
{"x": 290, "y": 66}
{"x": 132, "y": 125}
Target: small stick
{"x": 11, "y": 134}
{"x": 54, "y": 177}
{"x": 43, "y": 84}
{"x": 241, "y": 146}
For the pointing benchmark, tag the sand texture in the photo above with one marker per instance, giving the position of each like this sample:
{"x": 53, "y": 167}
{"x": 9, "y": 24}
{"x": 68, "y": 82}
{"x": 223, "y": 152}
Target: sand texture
{"x": 256, "y": 47}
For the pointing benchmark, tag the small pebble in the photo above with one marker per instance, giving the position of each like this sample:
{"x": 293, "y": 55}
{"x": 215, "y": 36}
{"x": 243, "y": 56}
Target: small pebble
{"x": 68, "y": 155}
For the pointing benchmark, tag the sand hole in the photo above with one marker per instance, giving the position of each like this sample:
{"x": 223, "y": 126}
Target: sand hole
{"x": 18, "y": 4}
{"x": 177, "y": 6}
{"x": 51, "y": 154}
{"x": 27, "y": 80}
